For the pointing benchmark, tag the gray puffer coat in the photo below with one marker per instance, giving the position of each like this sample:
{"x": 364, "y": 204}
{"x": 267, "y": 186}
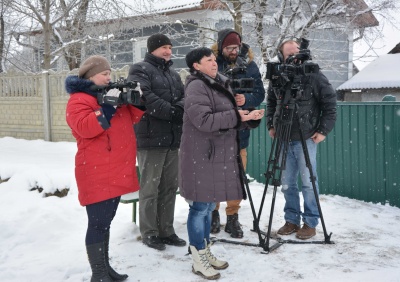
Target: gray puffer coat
{"x": 209, "y": 154}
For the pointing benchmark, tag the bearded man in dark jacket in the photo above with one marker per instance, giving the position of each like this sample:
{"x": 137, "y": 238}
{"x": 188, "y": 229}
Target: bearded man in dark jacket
{"x": 235, "y": 60}
{"x": 315, "y": 116}
{"x": 158, "y": 139}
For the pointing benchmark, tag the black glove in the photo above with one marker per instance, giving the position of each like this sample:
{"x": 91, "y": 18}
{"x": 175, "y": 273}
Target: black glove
{"x": 176, "y": 114}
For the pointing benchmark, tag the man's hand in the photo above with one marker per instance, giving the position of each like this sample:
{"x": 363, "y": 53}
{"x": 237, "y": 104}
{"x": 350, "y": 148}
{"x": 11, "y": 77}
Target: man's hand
{"x": 272, "y": 132}
{"x": 318, "y": 137}
{"x": 240, "y": 99}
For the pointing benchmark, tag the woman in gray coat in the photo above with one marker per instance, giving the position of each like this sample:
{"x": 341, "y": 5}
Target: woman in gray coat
{"x": 210, "y": 168}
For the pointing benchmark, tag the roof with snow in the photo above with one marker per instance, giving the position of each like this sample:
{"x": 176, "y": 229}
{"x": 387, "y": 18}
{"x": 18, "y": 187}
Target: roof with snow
{"x": 168, "y": 6}
{"x": 384, "y": 72}
{"x": 161, "y": 6}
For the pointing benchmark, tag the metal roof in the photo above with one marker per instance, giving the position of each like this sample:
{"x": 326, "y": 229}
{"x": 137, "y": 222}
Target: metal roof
{"x": 384, "y": 72}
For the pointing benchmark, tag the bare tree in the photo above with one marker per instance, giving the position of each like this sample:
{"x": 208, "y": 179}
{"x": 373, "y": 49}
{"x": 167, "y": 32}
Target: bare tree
{"x": 296, "y": 18}
{"x": 234, "y": 8}
{"x": 4, "y": 14}
{"x": 45, "y": 17}
{"x": 60, "y": 28}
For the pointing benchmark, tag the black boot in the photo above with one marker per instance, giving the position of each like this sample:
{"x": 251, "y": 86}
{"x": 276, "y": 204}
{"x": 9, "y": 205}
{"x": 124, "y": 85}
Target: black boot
{"x": 111, "y": 272}
{"x": 215, "y": 222}
{"x": 233, "y": 226}
{"x": 97, "y": 263}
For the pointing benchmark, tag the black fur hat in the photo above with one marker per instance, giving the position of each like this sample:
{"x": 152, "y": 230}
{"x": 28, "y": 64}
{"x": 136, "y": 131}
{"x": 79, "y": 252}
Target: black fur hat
{"x": 156, "y": 41}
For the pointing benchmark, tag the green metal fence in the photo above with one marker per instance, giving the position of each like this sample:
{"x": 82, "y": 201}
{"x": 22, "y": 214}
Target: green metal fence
{"x": 359, "y": 159}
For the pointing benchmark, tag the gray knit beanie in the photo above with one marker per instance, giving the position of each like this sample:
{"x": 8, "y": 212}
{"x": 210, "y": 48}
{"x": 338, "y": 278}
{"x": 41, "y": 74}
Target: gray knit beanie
{"x": 93, "y": 65}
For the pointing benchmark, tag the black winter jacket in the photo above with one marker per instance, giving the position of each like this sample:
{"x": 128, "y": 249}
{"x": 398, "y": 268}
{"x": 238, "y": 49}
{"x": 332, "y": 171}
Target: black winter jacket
{"x": 316, "y": 109}
{"x": 161, "y": 125}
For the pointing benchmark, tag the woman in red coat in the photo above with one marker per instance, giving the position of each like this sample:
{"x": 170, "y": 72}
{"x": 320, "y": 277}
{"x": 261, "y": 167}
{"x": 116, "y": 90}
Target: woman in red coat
{"x": 105, "y": 163}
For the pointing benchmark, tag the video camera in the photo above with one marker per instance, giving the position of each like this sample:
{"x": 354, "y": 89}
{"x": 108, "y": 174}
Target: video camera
{"x": 130, "y": 95}
{"x": 293, "y": 69}
{"x": 239, "y": 85}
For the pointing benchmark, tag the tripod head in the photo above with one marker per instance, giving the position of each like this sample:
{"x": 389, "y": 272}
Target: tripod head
{"x": 292, "y": 72}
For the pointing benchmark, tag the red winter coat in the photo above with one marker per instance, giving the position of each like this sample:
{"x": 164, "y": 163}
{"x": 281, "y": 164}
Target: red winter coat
{"x": 105, "y": 164}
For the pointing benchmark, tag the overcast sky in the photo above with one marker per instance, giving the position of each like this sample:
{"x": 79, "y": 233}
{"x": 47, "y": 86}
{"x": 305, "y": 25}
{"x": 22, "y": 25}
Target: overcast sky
{"x": 380, "y": 47}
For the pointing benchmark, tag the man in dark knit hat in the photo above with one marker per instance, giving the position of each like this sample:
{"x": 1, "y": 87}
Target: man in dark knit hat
{"x": 158, "y": 139}
{"x": 233, "y": 54}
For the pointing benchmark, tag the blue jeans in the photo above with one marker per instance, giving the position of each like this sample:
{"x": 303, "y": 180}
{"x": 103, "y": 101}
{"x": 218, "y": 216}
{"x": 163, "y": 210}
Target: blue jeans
{"x": 295, "y": 165}
{"x": 199, "y": 223}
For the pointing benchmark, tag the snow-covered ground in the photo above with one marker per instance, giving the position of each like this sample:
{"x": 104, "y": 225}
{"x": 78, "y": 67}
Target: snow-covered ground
{"x": 42, "y": 238}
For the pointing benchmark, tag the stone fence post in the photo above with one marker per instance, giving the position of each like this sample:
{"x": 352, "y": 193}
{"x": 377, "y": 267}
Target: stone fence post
{"x": 46, "y": 106}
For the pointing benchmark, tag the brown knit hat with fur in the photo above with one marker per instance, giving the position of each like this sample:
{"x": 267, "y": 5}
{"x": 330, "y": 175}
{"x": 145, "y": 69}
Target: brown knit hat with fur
{"x": 93, "y": 65}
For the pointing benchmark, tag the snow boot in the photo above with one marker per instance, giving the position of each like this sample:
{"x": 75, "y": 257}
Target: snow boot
{"x": 288, "y": 229}
{"x": 97, "y": 263}
{"x": 216, "y": 263}
{"x": 201, "y": 265}
{"x": 111, "y": 272}
{"x": 233, "y": 226}
{"x": 306, "y": 232}
{"x": 215, "y": 222}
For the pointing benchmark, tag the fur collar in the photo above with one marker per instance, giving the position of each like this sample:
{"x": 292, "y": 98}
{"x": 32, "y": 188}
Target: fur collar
{"x": 75, "y": 84}
{"x": 220, "y": 84}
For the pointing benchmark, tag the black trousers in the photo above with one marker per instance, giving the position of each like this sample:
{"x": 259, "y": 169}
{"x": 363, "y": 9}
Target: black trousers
{"x": 100, "y": 216}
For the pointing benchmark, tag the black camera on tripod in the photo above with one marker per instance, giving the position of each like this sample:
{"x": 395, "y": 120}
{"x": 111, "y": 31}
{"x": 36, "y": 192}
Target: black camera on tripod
{"x": 130, "y": 95}
{"x": 293, "y": 69}
{"x": 239, "y": 85}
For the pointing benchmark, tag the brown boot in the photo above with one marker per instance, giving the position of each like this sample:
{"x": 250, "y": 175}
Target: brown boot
{"x": 288, "y": 228}
{"x": 305, "y": 232}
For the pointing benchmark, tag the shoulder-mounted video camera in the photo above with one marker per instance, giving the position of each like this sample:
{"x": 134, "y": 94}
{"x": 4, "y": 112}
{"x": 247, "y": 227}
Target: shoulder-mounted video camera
{"x": 130, "y": 93}
{"x": 239, "y": 85}
{"x": 293, "y": 69}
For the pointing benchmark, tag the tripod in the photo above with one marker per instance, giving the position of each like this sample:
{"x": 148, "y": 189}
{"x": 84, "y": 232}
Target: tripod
{"x": 276, "y": 165}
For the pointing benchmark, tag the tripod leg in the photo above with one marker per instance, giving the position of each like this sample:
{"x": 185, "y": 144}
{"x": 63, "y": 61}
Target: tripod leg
{"x": 314, "y": 186}
{"x": 246, "y": 182}
{"x": 276, "y": 163}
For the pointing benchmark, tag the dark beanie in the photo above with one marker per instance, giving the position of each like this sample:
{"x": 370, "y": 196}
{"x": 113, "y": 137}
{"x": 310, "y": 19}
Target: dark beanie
{"x": 231, "y": 39}
{"x": 228, "y": 37}
{"x": 196, "y": 55}
{"x": 156, "y": 41}
{"x": 92, "y": 66}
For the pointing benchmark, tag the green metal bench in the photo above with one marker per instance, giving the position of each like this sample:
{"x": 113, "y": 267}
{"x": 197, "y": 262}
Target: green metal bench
{"x": 133, "y": 198}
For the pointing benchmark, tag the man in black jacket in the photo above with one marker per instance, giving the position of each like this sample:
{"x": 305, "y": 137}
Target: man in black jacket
{"x": 158, "y": 137}
{"x": 315, "y": 116}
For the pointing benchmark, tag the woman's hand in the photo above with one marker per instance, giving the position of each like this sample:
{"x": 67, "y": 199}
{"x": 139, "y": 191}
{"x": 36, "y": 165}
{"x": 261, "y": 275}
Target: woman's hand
{"x": 245, "y": 115}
